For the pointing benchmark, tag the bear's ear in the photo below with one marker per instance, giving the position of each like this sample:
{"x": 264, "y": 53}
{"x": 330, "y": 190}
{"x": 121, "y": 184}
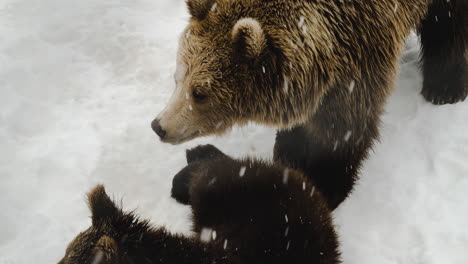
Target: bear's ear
{"x": 100, "y": 204}
{"x": 199, "y": 8}
{"x": 105, "y": 251}
{"x": 249, "y": 38}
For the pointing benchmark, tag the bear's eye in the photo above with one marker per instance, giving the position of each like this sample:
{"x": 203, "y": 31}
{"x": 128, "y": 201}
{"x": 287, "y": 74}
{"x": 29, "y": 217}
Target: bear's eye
{"x": 199, "y": 97}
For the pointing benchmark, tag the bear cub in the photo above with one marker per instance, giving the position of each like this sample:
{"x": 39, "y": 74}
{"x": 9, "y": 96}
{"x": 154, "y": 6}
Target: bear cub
{"x": 243, "y": 211}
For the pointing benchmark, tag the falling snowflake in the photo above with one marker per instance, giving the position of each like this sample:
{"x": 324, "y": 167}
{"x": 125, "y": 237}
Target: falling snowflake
{"x": 335, "y": 146}
{"x": 286, "y": 85}
{"x": 301, "y": 22}
{"x": 348, "y": 135}
{"x": 212, "y": 181}
{"x": 351, "y": 86}
{"x": 312, "y": 192}
{"x": 213, "y": 7}
{"x": 225, "y": 243}
{"x": 206, "y": 234}
{"x": 98, "y": 257}
{"x": 242, "y": 171}
{"x": 285, "y": 175}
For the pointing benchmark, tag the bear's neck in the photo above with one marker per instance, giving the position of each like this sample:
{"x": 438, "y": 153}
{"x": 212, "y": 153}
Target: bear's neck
{"x": 159, "y": 246}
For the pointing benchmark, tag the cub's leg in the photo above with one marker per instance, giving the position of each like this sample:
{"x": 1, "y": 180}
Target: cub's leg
{"x": 444, "y": 39}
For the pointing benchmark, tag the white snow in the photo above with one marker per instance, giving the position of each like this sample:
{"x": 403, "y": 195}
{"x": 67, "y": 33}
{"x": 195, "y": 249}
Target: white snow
{"x": 80, "y": 82}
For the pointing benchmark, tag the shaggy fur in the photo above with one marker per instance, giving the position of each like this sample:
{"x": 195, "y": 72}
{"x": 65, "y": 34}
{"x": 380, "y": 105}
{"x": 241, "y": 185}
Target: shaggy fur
{"x": 244, "y": 211}
{"x": 320, "y": 71}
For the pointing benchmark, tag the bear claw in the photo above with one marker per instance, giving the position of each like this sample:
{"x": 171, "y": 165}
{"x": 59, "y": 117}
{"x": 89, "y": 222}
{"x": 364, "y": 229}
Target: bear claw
{"x": 438, "y": 97}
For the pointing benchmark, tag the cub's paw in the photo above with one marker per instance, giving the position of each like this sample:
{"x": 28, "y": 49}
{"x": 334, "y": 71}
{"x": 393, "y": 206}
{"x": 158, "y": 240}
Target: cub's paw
{"x": 181, "y": 184}
{"x": 204, "y": 152}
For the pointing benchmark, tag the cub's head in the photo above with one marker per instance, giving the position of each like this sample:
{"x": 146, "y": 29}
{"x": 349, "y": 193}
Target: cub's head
{"x": 105, "y": 242}
{"x": 228, "y": 72}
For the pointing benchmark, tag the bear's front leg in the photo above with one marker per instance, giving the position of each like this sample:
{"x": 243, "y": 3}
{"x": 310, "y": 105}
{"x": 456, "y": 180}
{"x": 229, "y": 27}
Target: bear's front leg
{"x": 332, "y": 166}
{"x": 444, "y": 49}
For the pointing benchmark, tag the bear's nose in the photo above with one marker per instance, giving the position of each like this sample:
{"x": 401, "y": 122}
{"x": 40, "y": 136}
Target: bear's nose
{"x": 158, "y": 129}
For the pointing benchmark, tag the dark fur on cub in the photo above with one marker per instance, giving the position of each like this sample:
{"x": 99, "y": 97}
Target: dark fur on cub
{"x": 319, "y": 71}
{"x": 257, "y": 218}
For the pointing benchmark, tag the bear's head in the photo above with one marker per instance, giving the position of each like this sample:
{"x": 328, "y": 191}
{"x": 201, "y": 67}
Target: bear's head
{"x": 230, "y": 70}
{"x": 105, "y": 241}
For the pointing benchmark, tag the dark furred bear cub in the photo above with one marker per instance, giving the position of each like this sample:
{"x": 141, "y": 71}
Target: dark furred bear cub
{"x": 243, "y": 211}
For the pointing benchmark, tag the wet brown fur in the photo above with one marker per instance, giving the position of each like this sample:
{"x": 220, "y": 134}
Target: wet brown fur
{"x": 338, "y": 60}
{"x": 258, "y": 218}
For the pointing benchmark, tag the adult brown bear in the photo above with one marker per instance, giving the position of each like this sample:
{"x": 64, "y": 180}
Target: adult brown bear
{"x": 320, "y": 71}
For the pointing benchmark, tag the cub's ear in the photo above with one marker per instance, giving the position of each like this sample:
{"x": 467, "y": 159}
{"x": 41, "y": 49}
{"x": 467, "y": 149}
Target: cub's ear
{"x": 105, "y": 251}
{"x": 249, "y": 38}
{"x": 199, "y": 8}
{"x": 100, "y": 204}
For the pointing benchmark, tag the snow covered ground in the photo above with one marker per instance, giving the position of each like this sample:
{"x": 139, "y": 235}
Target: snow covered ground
{"x": 80, "y": 82}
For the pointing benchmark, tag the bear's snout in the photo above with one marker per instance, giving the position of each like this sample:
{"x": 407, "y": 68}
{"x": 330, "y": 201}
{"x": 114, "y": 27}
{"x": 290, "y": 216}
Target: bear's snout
{"x": 156, "y": 126}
